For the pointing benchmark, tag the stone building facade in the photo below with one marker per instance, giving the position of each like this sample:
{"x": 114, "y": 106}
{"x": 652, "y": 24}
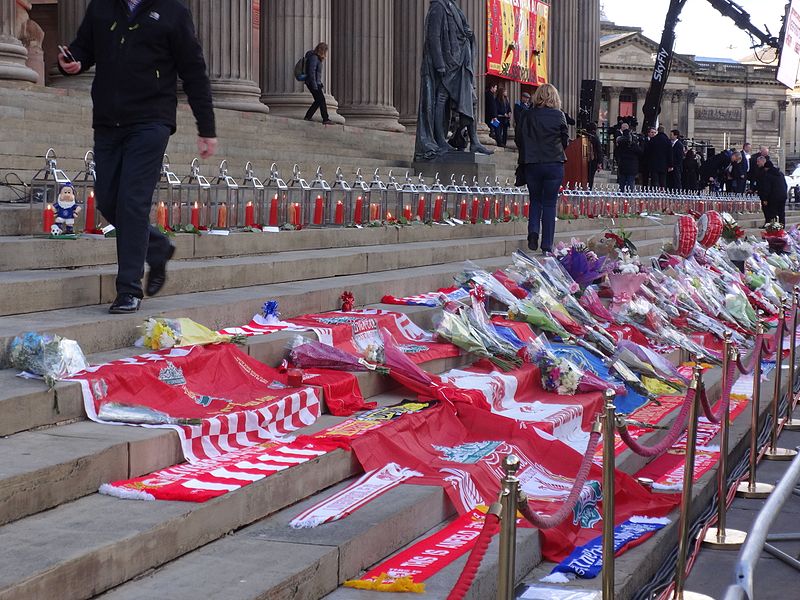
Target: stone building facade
{"x": 371, "y": 77}
{"x": 716, "y": 102}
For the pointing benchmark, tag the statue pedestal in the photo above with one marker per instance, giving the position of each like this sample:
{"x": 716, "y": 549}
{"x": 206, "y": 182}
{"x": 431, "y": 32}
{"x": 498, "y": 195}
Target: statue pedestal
{"x": 466, "y": 164}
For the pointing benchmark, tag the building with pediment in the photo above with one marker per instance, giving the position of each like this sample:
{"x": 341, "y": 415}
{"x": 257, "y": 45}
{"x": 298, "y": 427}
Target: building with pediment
{"x": 712, "y": 101}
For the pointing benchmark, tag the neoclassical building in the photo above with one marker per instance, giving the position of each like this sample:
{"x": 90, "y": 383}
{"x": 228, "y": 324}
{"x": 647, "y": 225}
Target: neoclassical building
{"x": 711, "y": 101}
{"x": 251, "y": 46}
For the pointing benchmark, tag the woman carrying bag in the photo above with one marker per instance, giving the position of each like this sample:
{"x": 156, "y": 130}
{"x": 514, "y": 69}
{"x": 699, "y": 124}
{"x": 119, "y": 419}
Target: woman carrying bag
{"x": 542, "y": 139}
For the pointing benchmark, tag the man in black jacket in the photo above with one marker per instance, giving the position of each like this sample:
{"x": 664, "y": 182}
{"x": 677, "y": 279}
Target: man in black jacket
{"x": 139, "y": 49}
{"x": 627, "y": 152}
{"x": 772, "y": 190}
{"x": 314, "y": 83}
{"x": 675, "y": 170}
{"x": 658, "y": 156}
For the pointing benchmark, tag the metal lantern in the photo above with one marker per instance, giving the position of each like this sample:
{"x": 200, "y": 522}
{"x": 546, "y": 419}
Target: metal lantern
{"x": 254, "y": 198}
{"x": 452, "y": 197}
{"x": 198, "y": 196}
{"x": 348, "y": 207}
{"x": 229, "y": 212}
{"x": 414, "y": 199}
{"x": 320, "y": 210}
{"x": 394, "y": 204}
{"x": 378, "y": 199}
{"x": 84, "y": 183}
{"x": 167, "y": 205}
{"x": 364, "y": 210}
{"x": 45, "y": 187}
{"x": 275, "y": 211}
{"x": 438, "y": 198}
{"x": 476, "y": 201}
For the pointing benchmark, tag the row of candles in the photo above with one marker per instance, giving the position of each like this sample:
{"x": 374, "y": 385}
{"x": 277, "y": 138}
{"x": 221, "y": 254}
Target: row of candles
{"x": 593, "y": 205}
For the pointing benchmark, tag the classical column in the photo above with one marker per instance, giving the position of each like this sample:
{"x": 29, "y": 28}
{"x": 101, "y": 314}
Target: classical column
{"x": 363, "y": 70}
{"x": 782, "y": 106}
{"x": 70, "y": 16}
{"x": 614, "y": 93}
{"x": 224, "y": 28}
{"x": 289, "y": 29}
{"x": 475, "y": 11}
{"x": 691, "y": 96}
{"x": 564, "y": 42}
{"x": 588, "y": 64}
{"x": 641, "y": 96}
{"x": 749, "y": 118}
{"x": 12, "y": 53}
{"x": 409, "y": 38}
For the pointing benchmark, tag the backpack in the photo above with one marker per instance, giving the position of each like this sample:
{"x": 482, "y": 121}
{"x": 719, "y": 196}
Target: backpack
{"x": 300, "y": 69}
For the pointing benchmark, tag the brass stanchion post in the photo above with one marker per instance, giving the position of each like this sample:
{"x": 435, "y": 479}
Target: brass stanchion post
{"x": 751, "y": 488}
{"x": 789, "y": 424}
{"x": 686, "y": 495}
{"x": 774, "y": 452}
{"x": 609, "y": 460}
{"x": 723, "y": 538}
{"x": 509, "y": 495}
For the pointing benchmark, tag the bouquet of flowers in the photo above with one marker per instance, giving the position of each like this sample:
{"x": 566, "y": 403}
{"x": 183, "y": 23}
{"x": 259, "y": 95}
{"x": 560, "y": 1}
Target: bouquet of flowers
{"x": 307, "y": 354}
{"x": 49, "y": 356}
{"x": 775, "y": 236}
{"x": 470, "y": 335}
{"x": 731, "y": 231}
{"x": 159, "y": 333}
{"x": 562, "y": 376}
{"x": 582, "y": 264}
{"x": 590, "y": 300}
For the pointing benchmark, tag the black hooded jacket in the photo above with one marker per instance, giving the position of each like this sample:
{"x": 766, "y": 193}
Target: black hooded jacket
{"x": 138, "y": 60}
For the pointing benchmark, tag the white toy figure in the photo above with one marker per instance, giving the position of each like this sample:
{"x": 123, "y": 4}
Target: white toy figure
{"x": 66, "y": 209}
{"x": 55, "y": 230}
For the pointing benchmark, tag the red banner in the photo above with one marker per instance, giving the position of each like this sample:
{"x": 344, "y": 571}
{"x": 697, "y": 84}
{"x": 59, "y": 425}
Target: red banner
{"x": 517, "y": 39}
{"x": 463, "y": 452}
{"x": 216, "y": 397}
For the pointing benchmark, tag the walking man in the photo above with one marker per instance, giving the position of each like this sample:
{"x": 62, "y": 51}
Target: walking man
{"x": 314, "y": 83}
{"x": 139, "y": 49}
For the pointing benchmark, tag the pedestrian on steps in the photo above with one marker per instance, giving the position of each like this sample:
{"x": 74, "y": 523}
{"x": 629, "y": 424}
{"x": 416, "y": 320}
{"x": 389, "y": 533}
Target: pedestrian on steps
{"x": 314, "y": 83}
{"x": 139, "y": 48}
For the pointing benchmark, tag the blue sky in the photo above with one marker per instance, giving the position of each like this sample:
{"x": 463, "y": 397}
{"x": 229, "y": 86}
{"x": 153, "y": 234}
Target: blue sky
{"x": 703, "y": 31}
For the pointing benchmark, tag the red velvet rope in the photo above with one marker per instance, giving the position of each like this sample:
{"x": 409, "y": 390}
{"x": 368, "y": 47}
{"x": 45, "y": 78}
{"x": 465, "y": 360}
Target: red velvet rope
{"x": 490, "y": 527}
{"x": 724, "y": 402}
{"x": 550, "y": 521}
{"x": 672, "y": 436}
{"x": 750, "y": 367}
{"x": 771, "y": 343}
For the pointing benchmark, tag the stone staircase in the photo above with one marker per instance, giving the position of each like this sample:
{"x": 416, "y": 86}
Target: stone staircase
{"x": 63, "y": 540}
{"x": 33, "y": 120}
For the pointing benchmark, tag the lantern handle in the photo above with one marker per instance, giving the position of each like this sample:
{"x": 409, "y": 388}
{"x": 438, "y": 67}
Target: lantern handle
{"x": 296, "y": 171}
{"x": 319, "y": 171}
{"x": 358, "y": 172}
{"x": 452, "y": 179}
{"x": 248, "y": 170}
{"x": 223, "y": 168}
{"x": 408, "y": 177}
{"x": 195, "y": 167}
{"x": 376, "y": 174}
{"x": 339, "y": 176}
{"x": 421, "y": 179}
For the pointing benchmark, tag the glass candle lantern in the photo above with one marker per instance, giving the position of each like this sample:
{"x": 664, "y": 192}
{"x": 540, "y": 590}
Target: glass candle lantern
{"x": 45, "y": 187}
{"x": 229, "y": 213}
{"x": 83, "y": 184}
{"x": 378, "y": 200}
{"x": 320, "y": 210}
{"x": 364, "y": 210}
{"x": 198, "y": 195}
{"x": 394, "y": 206}
{"x": 168, "y": 209}
{"x": 347, "y": 205}
{"x": 437, "y": 195}
{"x": 275, "y": 211}
{"x": 254, "y": 197}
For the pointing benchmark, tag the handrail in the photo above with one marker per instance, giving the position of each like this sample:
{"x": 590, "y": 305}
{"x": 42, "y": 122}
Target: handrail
{"x": 754, "y": 546}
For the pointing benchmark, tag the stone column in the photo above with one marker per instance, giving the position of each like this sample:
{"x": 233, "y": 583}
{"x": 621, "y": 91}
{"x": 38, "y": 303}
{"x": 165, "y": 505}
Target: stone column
{"x": 641, "y": 96}
{"x": 749, "y": 118}
{"x": 691, "y": 96}
{"x": 782, "y": 106}
{"x": 224, "y": 28}
{"x": 475, "y": 11}
{"x": 588, "y": 41}
{"x": 614, "y": 94}
{"x": 289, "y": 29}
{"x": 409, "y": 38}
{"x": 564, "y": 55}
{"x": 363, "y": 71}
{"x": 70, "y": 17}
{"x": 12, "y": 53}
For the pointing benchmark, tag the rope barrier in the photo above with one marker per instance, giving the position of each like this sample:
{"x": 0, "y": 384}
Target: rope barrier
{"x": 554, "y": 520}
{"x": 722, "y": 406}
{"x": 490, "y": 527}
{"x": 672, "y": 436}
{"x": 751, "y": 362}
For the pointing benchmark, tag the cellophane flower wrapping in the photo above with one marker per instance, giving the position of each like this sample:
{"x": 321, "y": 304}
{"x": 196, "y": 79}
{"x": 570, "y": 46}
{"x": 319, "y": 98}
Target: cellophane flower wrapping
{"x": 159, "y": 333}
{"x": 590, "y": 300}
{"x": 526, "y": 311}
{"x": 624, "y": 286}
{"x": 562, "y": 376}
{"x": 311, "y": 354}
{"x": 739, "y": 250}
{"x": 737, "y": 304}
{"x": 49, "y": 356}
{"x": 456, "y": 328}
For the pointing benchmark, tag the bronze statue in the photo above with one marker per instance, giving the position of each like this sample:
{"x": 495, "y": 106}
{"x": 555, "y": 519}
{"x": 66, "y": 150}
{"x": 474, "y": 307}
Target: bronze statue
{"x": 447, "y": 105}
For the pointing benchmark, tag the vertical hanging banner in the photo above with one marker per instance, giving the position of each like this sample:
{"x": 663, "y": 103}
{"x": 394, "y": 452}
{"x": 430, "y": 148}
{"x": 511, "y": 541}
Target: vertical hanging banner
{"x": 517, "y": 40}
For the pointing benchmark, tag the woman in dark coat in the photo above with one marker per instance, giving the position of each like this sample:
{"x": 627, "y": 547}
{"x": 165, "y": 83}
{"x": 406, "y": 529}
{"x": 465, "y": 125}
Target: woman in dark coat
{"x": 314, "y": 83}
{"x": 503, "y": 115}
{"x": 542, "y": 139}
{"x": 691, "y": 171}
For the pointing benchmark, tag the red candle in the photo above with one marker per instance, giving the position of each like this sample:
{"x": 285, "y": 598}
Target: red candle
{"x": 222, "y": 216}
{"x": 249, "y": 215}
{"x": 389, "y": 218}
{"x": 294, "y": 214}
{"x": 90, "y": 224}
{"x": 161, "y": 215}
{"x": 196, "y": 216}
{"x": 476, "y": 204}
{"x": 421, "y": 208}
{"x": 516, "y": 208}
{"x": 526, "y": 209}
{"x": 506, "y": 213}
{"x": 318, "y": 207}
{"x": 407, "y": 212}
{"x": 463, "y": 212}
{"x": 374, "y": 212}
{"x": 48, "y": 218}
{"x": 486, "y": 208}
{"x": 339, "y": 217}
{"x": 641, "y": 206}
{"x": 437, "y": 209}
{"x": 273, "y": 211}
{"x": 357, "y": 214}
{"x": 496, "y": 209}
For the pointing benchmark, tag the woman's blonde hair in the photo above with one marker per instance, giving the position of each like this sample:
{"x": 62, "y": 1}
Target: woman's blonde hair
{"x": 321, "y": 50}
{"x": 547, "y": 95}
